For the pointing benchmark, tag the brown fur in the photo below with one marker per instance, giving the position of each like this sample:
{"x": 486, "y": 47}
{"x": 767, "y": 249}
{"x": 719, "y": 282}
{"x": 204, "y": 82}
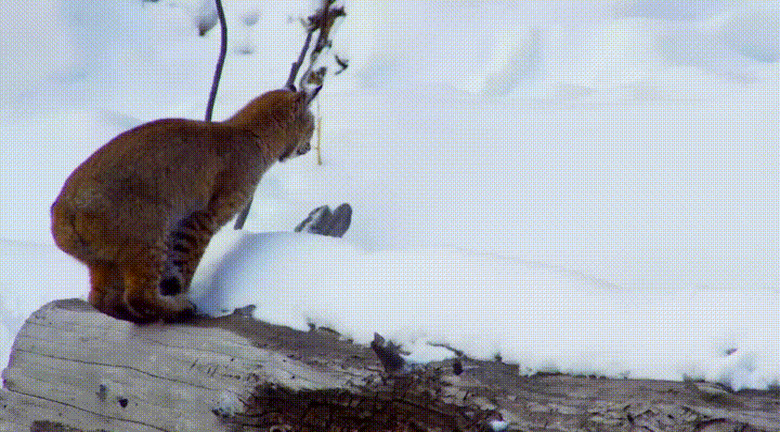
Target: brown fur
{"x": 141, "y": 210}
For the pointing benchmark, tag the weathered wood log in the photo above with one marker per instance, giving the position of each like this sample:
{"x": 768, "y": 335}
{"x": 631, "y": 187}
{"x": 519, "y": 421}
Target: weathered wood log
{"x": 74, "y": 369}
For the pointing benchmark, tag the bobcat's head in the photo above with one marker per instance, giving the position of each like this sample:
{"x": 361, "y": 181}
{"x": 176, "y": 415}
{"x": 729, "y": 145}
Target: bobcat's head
{"x": 301, "y": 130}
{"x": 279, "y": 117}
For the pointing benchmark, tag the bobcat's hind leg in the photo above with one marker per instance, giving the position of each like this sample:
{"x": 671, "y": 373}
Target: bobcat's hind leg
{"x": 186, "y": 243}
{"x": 188, "y": 239}
{"x": 142, "y": 297}
{"x": 107, "y": 290}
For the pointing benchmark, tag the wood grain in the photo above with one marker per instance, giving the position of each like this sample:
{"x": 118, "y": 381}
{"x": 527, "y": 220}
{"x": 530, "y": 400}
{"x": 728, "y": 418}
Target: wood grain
{"x": 74, "y": 369}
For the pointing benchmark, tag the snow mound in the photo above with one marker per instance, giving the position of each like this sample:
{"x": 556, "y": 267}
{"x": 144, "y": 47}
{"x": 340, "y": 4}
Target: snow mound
{"x": 543, "y": 318}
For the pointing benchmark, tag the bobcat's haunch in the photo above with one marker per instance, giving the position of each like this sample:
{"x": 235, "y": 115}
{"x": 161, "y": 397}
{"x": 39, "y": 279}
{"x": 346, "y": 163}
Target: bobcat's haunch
{"x": 141, "y": 210}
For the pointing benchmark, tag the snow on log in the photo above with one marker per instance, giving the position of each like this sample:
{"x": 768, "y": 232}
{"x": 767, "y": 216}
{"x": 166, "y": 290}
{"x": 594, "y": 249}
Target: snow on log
{"x": 74, "y": 369}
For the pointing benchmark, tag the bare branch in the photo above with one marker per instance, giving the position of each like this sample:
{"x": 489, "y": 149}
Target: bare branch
{"x": 290, "y": 85}
{"x": 220, "y": 60}
{"x": 321, "y": 22}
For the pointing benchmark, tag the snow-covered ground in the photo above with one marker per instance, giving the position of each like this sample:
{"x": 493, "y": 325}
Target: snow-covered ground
{"x": 583, "y": 187}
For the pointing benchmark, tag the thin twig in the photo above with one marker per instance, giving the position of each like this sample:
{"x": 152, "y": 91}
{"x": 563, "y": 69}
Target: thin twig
{"x": 319, "y": 134}
{"x": 323, "y": 23}
{"x": 296, "y": 66}
{"x": 220, "y": 60}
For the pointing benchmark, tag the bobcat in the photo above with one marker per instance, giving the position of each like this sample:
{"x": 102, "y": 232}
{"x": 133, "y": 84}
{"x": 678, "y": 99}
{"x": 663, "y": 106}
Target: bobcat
{"x": 141, "y": 210}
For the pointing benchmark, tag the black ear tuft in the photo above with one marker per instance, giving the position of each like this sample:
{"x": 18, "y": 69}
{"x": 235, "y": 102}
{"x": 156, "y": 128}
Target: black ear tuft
{"x": 315, "y": 93}
{"x": 310, "y": 95}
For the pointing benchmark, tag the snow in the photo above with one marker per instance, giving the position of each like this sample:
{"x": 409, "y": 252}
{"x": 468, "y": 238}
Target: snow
{"x": 581, "y": 187}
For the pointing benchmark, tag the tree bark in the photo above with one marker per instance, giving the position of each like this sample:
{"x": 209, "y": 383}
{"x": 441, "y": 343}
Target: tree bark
{"x": 74, "y": 369}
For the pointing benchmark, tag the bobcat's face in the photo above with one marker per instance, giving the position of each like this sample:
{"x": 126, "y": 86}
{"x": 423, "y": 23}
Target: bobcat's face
{"x": 300, "y": 138}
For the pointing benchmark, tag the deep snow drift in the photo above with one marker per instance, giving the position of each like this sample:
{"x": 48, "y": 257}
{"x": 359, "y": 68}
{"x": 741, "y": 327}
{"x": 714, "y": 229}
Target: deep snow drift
{"x": 587, "y": 187}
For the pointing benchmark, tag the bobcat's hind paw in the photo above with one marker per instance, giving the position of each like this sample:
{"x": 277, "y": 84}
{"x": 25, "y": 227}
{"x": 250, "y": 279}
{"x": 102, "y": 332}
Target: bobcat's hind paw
{"x": 170, "y": 286}
{"x": 185, "y": 314}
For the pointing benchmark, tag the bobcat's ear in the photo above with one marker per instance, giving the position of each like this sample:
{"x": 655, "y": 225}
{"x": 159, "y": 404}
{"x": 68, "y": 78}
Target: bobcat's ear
{"x": 299, "y": 101}
{"x": 295, "y": 103}
{"x": 305, "y": 97}
{"x": 312, "y": 94}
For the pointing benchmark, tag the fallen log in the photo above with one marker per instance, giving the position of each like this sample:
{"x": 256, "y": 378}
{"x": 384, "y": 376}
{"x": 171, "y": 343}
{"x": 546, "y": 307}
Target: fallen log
{"x": 73, "y": 369}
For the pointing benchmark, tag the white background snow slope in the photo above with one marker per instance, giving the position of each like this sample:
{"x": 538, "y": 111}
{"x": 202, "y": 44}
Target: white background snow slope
{"x": 583, "y": 187}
